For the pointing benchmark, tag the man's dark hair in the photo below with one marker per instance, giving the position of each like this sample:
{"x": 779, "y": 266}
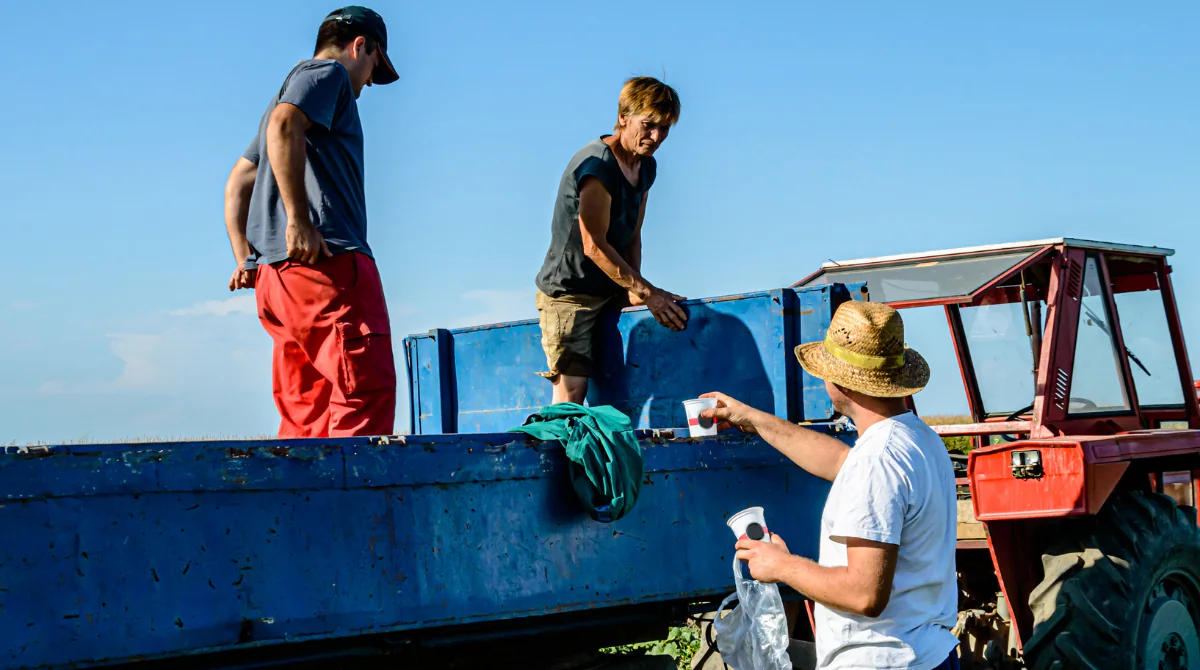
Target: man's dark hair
{"x": 338, "y": 34}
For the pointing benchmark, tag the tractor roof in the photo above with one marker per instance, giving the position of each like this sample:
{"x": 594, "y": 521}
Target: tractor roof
{"x": 990, "y": 249}
{"x": 952, "y": 275}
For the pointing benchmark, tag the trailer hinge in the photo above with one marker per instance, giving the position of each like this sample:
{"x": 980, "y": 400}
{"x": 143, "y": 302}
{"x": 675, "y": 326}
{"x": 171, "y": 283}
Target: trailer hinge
{"x": 1027, "y": 464}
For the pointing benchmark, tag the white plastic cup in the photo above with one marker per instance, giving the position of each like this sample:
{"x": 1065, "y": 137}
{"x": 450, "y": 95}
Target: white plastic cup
{"x": 739, "y": 523}
{"x": 697, "y": 426}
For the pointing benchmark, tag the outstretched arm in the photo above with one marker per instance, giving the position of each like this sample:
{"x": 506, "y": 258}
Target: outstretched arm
{"x": 819, "y": 454}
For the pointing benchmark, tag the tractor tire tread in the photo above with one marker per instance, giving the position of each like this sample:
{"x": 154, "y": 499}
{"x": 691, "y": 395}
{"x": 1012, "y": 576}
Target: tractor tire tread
{"x": 1092, "y": 575}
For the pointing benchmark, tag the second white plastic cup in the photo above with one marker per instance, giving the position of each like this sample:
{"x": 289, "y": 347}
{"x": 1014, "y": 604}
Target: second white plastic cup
{"x": 697, "y": 426}
{"x": 740, "y": 524}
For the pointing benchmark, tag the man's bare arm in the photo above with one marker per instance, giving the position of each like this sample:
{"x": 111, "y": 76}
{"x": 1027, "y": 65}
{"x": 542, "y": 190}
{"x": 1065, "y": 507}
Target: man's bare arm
{"x": 862, "y": 587}
{"x": 595, "y": 208}
{"x": 286, "y": 151}
{"x": 819, "y": 454}
{"x": 238, "y": 189}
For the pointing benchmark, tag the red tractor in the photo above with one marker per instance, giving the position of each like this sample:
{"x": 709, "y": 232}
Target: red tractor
{"x": 1078, "y": 537}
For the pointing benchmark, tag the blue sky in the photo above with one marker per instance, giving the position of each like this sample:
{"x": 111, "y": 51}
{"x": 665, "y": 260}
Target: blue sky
{"x": 809, "y": 131}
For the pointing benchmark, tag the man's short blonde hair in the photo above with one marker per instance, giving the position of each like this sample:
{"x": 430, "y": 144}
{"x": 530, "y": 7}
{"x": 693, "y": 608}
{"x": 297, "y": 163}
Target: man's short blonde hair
{"x": 647, "y": 95}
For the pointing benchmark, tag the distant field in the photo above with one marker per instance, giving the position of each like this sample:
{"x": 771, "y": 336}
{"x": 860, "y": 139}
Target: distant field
{"x": 944, "y": 419}
{"x": 961, "y": 445}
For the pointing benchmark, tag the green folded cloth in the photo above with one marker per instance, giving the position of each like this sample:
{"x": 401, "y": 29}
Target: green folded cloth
{"x": 605, "y": 457}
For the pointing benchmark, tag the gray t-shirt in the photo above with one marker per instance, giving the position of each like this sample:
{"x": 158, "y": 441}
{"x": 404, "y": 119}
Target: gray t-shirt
{"x": 566, "y": 269}
{"x": 333, "y": 172}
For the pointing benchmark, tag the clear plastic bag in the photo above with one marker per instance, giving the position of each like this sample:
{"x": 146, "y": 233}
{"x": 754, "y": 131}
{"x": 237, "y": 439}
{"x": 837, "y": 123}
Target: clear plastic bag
{"x": 754, "y": 635}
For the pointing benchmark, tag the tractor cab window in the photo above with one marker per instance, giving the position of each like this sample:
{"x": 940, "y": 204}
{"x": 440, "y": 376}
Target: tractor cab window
{"x": 1002, "y": 350}
{"x": 1144, "y": 327}
{"x": 1096, "y": 384}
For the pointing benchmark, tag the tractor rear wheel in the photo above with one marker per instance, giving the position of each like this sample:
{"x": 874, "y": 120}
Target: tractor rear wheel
{"x": 1121, "y": 590}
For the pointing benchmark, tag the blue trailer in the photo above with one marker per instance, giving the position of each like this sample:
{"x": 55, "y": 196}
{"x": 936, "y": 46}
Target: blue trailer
{"x": 485, "y": 379}
{"x": 457, "y": 537}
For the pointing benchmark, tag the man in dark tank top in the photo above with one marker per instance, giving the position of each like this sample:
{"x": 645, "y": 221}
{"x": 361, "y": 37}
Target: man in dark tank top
{"x": 595, "y": 253}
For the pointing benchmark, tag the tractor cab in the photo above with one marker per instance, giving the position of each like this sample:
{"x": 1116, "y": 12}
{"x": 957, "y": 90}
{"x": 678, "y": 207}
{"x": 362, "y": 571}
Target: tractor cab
{"x": 1053, "y": 337}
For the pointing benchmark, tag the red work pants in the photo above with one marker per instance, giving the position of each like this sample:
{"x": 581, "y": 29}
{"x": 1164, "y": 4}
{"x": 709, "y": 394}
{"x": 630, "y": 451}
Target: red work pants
{"x": 332, "y": 369}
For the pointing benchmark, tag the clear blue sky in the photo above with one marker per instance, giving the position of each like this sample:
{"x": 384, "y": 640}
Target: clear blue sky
{"x": 809, "y": 131}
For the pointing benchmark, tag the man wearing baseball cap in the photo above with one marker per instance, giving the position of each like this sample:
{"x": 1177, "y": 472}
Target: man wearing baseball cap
{"x": 885, "y": 584}
{"x": 296, "y": 214}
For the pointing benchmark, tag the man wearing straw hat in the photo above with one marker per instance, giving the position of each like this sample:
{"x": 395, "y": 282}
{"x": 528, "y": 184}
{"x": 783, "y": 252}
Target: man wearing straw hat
{"x": 885, "y": 585}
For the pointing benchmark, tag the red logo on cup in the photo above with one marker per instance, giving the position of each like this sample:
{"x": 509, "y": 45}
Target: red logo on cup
{"x": 766, "y": 533}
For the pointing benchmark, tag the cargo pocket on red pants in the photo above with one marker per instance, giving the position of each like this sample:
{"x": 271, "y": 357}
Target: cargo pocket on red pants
{"x": 366, "y": 363}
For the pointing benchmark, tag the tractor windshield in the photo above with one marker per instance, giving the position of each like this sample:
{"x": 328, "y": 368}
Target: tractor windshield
{"x": 1003, "y": 332}
{"x": 1002, "y": 353}
{"x": 1096, "y": 383}
{"x": 995, "y": 329}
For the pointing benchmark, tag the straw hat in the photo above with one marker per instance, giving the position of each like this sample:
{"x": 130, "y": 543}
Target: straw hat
{"x": 864, "y": 350}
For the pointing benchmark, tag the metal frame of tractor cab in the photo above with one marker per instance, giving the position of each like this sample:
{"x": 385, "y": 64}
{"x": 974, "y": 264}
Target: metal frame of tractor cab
{"x": 1069, "y": 465}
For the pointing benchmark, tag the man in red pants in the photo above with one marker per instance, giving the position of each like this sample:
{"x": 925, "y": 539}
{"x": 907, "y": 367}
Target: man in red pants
{"x": 295, "y": 211}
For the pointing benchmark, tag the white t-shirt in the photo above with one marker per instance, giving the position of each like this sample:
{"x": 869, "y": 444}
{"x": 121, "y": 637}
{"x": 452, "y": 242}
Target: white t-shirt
{"x": 897, "y": 487}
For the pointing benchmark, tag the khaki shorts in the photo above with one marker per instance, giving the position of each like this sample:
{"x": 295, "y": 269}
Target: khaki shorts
{"x": 568, "y": 327}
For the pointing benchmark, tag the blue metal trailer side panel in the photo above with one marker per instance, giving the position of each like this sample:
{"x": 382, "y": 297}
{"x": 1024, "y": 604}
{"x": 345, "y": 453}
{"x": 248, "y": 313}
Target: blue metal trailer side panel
{"x": 494, "y": 377}
{"x": 430, "y": 362}
{"x": 741, "y": 345}
{"x": 734, "y": 345}
{"x": 809, "y": 322}
{"x": 118, "y": 552}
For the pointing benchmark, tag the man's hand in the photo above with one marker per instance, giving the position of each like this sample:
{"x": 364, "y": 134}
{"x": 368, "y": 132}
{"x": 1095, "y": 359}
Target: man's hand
{"x": 768, "y": 561}
{"x": 242, "y": 278}
{"x": 666, "y": 312}
{"x": 304, "y": 242}
{"x": 731, "y": 413}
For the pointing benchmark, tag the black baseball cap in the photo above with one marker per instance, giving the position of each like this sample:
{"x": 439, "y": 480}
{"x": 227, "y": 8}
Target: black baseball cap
{"x": 371, "y": 25}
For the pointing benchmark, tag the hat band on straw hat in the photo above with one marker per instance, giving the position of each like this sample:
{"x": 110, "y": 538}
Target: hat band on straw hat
{"x": 865, "y": 361}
